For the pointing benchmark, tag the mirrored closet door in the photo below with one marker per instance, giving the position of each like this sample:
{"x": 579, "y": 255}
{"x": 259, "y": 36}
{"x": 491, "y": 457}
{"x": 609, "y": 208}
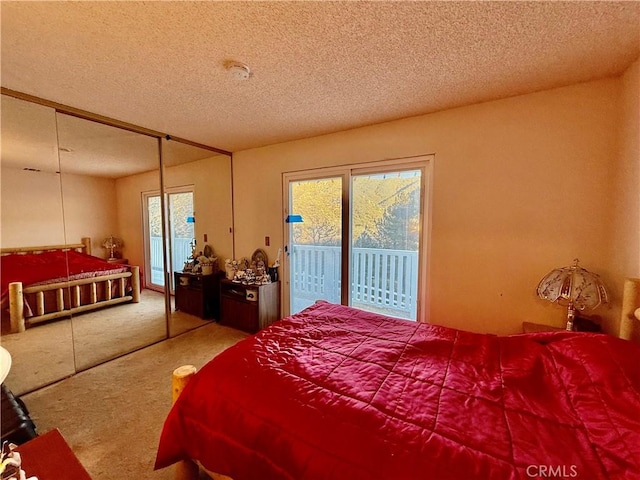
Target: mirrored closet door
{"x": 32, "y": 216}
{"x": 93, "y": 188}
{"x": 105, "y": 171}
{"x": 199, "y": 231}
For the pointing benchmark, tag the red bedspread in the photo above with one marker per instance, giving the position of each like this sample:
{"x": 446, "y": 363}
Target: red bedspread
{"x": 51, "y": 267}
{"x": 32, "y": 269}
{"x": 335, "y": 393}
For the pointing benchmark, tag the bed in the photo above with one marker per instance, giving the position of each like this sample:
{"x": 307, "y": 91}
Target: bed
{"x": 48, "y": 282}
{"x": 336, "y": 393}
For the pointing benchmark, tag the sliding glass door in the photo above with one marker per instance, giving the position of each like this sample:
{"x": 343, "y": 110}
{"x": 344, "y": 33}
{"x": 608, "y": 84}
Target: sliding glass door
{"x": 385, "y": 242}
{"x": 315, "y": 240}
{"x": 182, "y": 234}
{"x": 181, "y": 228}
{"x": 355, "y": 237}
{"x": 154, "y": 261}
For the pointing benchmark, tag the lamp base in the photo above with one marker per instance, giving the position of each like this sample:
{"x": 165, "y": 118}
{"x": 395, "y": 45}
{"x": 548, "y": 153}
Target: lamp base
{"x": 571, "y": 314}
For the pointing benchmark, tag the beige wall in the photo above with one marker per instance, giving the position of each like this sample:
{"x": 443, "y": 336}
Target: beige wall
{"x": 89, "y": 210}
{"x": 520, "y": 186}
{"x": 212, "y": 187}
{"x": 211, "y": 179}
{"x": 31, "y": 209}
{"x": 627, "y": 167}
{"x": 33, "y": 202}
{"x": 624, "y": 247}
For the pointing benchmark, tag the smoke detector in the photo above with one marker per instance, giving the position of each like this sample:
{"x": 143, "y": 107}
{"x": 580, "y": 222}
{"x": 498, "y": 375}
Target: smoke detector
{"x": 238, "y": 70}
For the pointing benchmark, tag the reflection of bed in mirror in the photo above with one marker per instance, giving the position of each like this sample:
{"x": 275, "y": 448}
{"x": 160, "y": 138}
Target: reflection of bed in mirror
{"x": 45, "y": 283}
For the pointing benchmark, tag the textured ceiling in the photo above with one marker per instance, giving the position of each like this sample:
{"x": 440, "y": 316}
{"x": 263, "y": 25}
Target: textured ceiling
{"x": 317, "y": 67}
{"x": 37, "y": 138}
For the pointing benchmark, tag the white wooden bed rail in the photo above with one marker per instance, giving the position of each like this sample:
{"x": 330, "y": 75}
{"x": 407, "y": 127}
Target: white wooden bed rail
{"x": 630, "y": 315}
{"x": 17, "y": 292}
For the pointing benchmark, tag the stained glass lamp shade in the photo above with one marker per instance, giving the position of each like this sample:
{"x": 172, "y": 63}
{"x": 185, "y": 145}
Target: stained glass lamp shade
{"x": 573, "y": 287}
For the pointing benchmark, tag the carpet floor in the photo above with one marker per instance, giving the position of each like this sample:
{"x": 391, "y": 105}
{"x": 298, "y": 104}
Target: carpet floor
{"x": 52, "y": 351}
{"x": 112, "y": 414}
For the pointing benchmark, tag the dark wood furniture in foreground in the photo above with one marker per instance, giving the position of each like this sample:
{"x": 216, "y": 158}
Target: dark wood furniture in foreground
{"x": 249, "y": 307}
{"x": 49, "y": 457}
{"x": 198, "y": 294}
{"x": 122, "y": 261}
{"x": 17, "y": 426}
{"x": 580, "y": 324}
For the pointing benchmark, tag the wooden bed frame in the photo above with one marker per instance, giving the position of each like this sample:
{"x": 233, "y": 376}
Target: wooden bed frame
{"x": 630, "y": 316}
{"x": 629, "y": 329}
{"x": 17, "y": 291}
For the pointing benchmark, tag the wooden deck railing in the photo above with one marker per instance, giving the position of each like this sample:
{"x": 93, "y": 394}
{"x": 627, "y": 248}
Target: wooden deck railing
{"x": 381, "y": 280}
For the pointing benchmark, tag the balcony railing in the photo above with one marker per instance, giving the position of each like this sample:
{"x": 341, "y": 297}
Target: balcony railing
{"x": 382, "y": 280}
{"x": 181, "y": 252}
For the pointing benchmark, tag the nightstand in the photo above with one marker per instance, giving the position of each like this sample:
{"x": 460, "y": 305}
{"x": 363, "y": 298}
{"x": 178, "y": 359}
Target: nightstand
{"x": 124, "y": 261}
{"x": 528, "y": 327}
{"x": 249, "y": 307}
{"x": 198, "y": 294}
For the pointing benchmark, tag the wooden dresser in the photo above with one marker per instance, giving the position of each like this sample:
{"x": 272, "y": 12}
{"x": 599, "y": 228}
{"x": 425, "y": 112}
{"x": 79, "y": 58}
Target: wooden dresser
{"x": 249, "y": 307}
{"x": 198, "y": 294}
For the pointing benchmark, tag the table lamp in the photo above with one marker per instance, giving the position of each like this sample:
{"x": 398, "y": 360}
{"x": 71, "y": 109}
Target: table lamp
{"x": 573, "y": 287}
{"x": 5, "y": 363}
{"x": 112, "y": 243}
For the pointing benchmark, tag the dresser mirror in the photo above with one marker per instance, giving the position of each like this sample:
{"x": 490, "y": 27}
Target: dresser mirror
{"x": 105, "y": 172}
{"x": 31, "y": 215}
{"x": 199, "y": 224}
